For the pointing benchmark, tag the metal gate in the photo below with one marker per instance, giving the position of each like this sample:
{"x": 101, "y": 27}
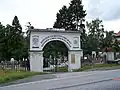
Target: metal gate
{"x": 54, "y": 65}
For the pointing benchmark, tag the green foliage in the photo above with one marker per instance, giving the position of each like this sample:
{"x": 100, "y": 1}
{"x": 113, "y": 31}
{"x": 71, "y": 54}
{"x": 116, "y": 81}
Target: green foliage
{"x": 62, "y": 69}
{"x": 77, "y": 14}
{"x": 16, "y": 39}
{"x": 16, "y": 25}
{"x": 62, "y": 20}
{"x": 2, "y": 41}
{"x": 108, "y": 40}
{"x": 98, "y": 39}
{"x": 12, "y": 41}
{"x": 115, "y": 46}
{"x": 82, "y": 69}
{"x": 95, "y": 35}
{"x": 71, "y": 18}
{"x": 54, "y": 48}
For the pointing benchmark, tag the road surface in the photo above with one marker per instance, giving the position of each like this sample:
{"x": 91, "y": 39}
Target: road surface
{"x": 94, "y": 80}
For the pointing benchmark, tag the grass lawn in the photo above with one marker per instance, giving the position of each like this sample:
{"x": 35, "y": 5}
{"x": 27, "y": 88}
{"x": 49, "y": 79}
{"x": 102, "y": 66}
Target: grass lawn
{"x": 13, "y": 75}
{"x": 97, "y": 67}
{"x": 62, "y": 69}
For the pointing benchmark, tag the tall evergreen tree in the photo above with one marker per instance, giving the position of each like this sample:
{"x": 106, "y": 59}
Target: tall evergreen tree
{"x": 77, "y": 15}
{"x": 2, "y": 42}
{"x": 62, "y": 18}
{"x": 16, "y": 39}
{"x": 72, "y": 18}
{"x": 12, "y": 41}
{"x": 5, "y": 48}
{"x": 16, "y": 25}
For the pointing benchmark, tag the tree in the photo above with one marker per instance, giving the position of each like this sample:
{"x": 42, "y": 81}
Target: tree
{"x": 15, "y": 41}
{"x": 16, "y": 25}
{"x": 95, "y": 34}
{"x": 7, "y": 40}
{"x": 52, "y": 49}
{"x": 12, "y": 41}
{"x": 115, "y": 46}
{"x": 62, "y": 19}
{"x": 71, "y": 18}
{"x": 108, "y": 40}
{"x": 77, "y": 14}
{"x": 2, "y": 42}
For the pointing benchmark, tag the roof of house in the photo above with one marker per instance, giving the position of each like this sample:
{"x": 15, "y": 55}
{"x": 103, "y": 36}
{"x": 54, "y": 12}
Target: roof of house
{"x": 117, "y": 34}
{"x": 107, "y": 49}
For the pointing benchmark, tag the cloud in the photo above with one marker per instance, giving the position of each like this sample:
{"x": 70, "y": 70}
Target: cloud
{"x": 112, "y": 25}
{"x": 104, "y": 9}
{"x": 42, "y": 13}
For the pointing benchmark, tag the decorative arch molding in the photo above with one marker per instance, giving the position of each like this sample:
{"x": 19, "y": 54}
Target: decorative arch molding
{"x": 54, "y": 38}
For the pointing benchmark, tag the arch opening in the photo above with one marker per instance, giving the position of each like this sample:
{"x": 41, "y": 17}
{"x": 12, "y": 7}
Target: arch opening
{"x": 55, "y": 54}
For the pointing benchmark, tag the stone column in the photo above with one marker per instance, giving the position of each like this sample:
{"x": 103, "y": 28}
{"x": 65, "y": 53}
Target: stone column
{"x": 74, "y": 59}
{"x": 36, "y": 61}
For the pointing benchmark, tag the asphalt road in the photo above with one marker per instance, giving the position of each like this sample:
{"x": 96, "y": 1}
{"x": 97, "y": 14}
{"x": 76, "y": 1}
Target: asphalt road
{"x": 94, "y": 80}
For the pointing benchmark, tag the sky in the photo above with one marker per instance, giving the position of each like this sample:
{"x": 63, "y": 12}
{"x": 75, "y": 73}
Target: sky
{"x": 42, "y": 13}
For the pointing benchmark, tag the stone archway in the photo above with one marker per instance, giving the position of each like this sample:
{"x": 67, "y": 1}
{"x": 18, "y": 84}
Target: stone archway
{"x": 40, "y": 37}
{"x": 55, "y": 54}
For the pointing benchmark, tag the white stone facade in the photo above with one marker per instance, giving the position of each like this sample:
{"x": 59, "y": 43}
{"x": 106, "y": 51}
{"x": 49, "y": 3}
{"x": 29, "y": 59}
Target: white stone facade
{"x": 36, "y": 61}
{"x": 40, "y": 37}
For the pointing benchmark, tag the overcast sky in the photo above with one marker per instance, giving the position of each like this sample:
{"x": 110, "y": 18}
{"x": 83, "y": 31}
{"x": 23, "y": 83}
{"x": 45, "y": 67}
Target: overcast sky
{"x": 42, "y": 13}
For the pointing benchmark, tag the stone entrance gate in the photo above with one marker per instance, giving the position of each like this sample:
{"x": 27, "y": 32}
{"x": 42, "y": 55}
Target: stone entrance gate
{"x": 40, "y": 37}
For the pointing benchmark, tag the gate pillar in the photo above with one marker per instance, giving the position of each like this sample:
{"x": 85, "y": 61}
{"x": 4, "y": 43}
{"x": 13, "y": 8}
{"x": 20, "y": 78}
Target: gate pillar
{"x": 36, "y": 61}
{"x": 74, "y": 59}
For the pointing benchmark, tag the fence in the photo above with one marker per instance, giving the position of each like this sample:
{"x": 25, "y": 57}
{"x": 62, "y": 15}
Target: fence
{"x": 89, "y": 60}
{"x": 15, "y": 66}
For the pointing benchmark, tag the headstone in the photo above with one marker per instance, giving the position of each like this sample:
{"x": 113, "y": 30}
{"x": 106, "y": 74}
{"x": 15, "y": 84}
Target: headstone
{"x": 12, "y": 60}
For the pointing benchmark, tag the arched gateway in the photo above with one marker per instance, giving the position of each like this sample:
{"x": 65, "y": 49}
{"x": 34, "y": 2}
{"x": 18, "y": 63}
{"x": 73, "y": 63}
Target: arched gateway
{"x": 40, "y": 37}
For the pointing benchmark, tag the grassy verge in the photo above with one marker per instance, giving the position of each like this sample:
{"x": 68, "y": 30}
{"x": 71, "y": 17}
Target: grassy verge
{"x": 12, "y": 76}
{"x": 97, "y": 66}
{"x": 62, "y": 69}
